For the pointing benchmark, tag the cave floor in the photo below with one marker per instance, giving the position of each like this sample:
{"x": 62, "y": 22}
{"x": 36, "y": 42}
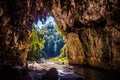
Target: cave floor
{"x": 65, "y": 72}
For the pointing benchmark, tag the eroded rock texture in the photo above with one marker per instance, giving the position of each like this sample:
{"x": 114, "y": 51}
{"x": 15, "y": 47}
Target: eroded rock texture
{"x": 14, "y": 31}
{"x": 92, "y": 29}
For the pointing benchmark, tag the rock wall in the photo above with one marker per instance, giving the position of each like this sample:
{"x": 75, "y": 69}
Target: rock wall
{"x": 97, "y": 48}
{"x": 92, "y": 29}
{"x": 14, "y": 32}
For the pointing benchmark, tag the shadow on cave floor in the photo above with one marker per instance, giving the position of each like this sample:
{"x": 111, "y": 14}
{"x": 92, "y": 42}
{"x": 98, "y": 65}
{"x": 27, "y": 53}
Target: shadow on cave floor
{"x": 65, "y": 72}
{"x": 71, "y": 72}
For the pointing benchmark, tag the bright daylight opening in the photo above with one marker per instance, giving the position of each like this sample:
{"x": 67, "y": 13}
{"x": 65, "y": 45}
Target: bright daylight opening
{"x": 47, "y": 42}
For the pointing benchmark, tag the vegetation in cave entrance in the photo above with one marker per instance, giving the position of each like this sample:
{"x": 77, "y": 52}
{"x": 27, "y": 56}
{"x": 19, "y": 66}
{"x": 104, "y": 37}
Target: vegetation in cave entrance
{"x": 47, "y": 42}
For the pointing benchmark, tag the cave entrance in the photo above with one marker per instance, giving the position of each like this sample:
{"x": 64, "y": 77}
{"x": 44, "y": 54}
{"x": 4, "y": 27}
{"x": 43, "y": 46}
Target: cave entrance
{"x": 47, "y": 41}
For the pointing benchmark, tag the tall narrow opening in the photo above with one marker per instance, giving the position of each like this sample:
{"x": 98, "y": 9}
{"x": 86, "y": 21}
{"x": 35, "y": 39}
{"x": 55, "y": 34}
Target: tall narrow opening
{"x": 47, "y": 42}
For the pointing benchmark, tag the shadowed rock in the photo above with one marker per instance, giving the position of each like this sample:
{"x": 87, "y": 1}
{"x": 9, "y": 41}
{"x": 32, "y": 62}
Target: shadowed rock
{"x": 7, "y": 72}
{"x": 52, "y": 74}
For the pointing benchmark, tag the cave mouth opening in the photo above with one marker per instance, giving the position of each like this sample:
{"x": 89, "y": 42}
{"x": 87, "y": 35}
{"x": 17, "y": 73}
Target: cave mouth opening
{"x": 47, "y": 41}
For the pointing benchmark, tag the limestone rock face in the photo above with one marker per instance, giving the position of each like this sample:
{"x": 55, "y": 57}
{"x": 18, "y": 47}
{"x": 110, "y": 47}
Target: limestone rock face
{"x": 92, "y": 29}
{"x": 75, "y": 49}
{"x": 98, "y": 48}
{"x": 14, "y": 32}
{"x": 101, "y": 47}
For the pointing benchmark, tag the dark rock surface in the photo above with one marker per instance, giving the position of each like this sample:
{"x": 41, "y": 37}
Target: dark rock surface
{"x": 8, "y": 72}
{"x": 51, "y": 74}
{"x": 94, "y": 26}
{"x": 15, "y": 29}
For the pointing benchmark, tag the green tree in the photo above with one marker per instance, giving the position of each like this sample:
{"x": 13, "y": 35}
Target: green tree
{"x": 63, "y": 52}
{"x": 37, "y": 44}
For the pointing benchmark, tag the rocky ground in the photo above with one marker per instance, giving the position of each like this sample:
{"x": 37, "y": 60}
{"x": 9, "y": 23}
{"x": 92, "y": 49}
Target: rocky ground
{"x": 65, "y": 72}
{"x": 38, "y": 71}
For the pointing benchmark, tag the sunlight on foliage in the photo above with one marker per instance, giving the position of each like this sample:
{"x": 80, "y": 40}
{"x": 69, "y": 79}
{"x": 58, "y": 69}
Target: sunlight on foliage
{"x": 62, "y": 58}
{"x": 59, "y": 60}
{"x": 48, "y": 42}
{"x": 60, "y": 31}
{"x": 37, "y": 44}
{"x": 53, "y": 41}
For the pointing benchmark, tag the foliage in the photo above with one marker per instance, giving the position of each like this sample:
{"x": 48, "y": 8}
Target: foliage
{"x": 63, "y": 52}
{"x": 62, "y": 58}
{"x": 54, "y": 41}
{"x": 61, "y": 32}
{"x": 47, "y": 42}
{"x": 59, "y": 60}
{"x": 37, "y": 44}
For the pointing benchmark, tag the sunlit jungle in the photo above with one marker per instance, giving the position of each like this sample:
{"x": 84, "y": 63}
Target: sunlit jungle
{"x": 59, "y": 40}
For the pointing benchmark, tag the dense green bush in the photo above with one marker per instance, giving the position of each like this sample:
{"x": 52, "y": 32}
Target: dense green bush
{"x": 46, "y": 42}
